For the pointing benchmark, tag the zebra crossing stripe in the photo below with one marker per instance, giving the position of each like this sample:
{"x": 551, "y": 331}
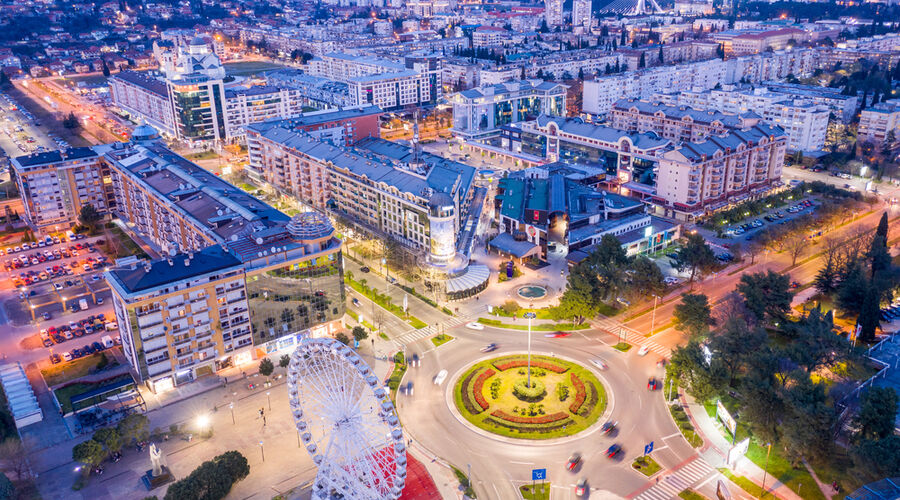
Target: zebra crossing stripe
{"x": 671, "y": 486}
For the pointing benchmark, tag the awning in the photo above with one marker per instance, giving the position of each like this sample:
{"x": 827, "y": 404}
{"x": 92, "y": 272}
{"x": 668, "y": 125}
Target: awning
{"x": 475, "y": 276}
{"x": 505, "y": 242}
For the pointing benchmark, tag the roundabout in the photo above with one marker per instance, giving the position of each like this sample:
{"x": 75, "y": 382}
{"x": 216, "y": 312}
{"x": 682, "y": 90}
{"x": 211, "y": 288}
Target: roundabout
{"x": 561, "y": 399}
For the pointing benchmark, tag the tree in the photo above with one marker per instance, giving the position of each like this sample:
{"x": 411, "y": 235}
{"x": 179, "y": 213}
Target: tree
{"x": 878, "y": 459}
{"x": 14, "y": 458}
{"x": 734, "y": 342}
{"x": 359, "y": 333}
{"x": 692, "y": 314}
{"x": 826, "y": 281}
{"x": 580, "y": 301}
{"x": 794, "y": 244}
{"x": 212, "y": 480}
{"x": 767, "y": 295}
{"x": 699, "y": 378}
{"x": 869, "y": 318}
{"x": 807, "y": 422}
{"x": 105, "y": 70}
{"x": 7, "y": 489}
{"x": 695, "y": 256}
{"x": 89, "y": 216}
{"x": 662, "y": 59}
{"x": 852, "y": 289}
{"x": 642, "y": 62}
{"x": 342, "y": 338}
{"x": 814, "y": 341}
{"x": 266, "y": 367}
{"x": 109, "y": 438}
{"x": 285, "y": 361}
{"x": 877, "y": 413}
{"x": 88, "y": 452}
{"x": 70, "y": 121}
{"x": 646, "y": 278}
{"x": 134, "y": 428}
{"x": 761, "y": 403}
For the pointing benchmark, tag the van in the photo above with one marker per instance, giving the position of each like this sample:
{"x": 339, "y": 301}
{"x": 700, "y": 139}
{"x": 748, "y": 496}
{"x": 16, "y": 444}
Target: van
{"x": 111, "y": 326}
{"x": 70, "y": 235}
{"x": 107, "y": 341}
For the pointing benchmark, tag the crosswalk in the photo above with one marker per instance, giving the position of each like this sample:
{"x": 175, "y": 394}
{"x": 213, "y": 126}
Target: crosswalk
{"x": 671, "y": 485}
{"x": 631, "y": 335}
{"x": 429, "y": 331}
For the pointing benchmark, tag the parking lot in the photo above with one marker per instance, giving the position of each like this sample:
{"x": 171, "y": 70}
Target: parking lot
{"x": 52, "y": 278}
{"x": 749, "y": 229}
{"x": 19, "y": 133}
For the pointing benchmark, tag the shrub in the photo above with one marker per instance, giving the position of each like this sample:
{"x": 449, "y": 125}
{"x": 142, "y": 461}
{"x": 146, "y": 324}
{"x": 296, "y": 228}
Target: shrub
{"x": 510, "y": 307}
{"x": 212, "y": 480}
{"x": 580, "y": 393}
{"x": 495, "y": 388}
{"x": 562, "y": 390}
{"x": 524, "y": 392}
{"x": 546, "y": 419}
{"x": 535, "y": 371}
{"x": 266, "y": 367}
{"x": 466, "y": 400}
{"x": 478, "y": 388}
{"x": 518, "y": 363}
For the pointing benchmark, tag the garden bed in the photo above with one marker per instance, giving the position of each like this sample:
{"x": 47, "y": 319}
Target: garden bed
{"x": 645, "y": 465}
{"x": 439, "y": 340}
{"x": 535, "y": 328}
{"x": 540, "y": 411}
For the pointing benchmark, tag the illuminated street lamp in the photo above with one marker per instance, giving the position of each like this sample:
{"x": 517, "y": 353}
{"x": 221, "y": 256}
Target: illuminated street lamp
{"x": 530, "y": 315}
{"x": 204, "y": 426}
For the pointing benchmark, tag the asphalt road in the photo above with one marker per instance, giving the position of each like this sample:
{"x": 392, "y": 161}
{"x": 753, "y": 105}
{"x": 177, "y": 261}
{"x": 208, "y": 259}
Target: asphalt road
{"x": 500, "y": 465}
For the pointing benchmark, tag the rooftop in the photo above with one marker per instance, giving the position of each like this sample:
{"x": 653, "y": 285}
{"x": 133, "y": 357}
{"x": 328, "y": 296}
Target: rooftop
{"x": 177, "y": 268}
{"x": 143, "y": 80}
{"x": 49, "y": 157}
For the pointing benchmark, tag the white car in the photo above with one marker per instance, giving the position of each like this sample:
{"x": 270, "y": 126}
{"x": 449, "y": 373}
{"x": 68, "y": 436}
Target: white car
{"x": 643, "y": 350}
{"x": 475, "y": 326}
{"x": 66, "y": 356}
{"x": 671, "y": 280}
{"x": 597, "y": 362}
{"x": 440, "y": 377}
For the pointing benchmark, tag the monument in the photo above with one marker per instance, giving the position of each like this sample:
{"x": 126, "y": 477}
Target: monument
{"x": 158, "y": 474}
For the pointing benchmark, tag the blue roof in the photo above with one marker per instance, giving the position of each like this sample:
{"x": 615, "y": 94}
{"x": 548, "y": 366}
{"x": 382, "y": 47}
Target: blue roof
{"x": 207, "y": 260}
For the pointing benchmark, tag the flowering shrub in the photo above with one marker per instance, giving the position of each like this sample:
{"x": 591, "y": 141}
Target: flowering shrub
{"x": 479, "y": 386}
{"x": 580, "y": 393}
{"x": 546, "y": 419}
{"x": 519, "y": 363}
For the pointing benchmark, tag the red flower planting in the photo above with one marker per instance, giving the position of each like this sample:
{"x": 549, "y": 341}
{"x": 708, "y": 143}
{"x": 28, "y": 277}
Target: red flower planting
{"x": 580, "y": 393}
{"x": 544, "y": 419}
{"x": 478, "y": 388}
{"x": 521, "y": 363}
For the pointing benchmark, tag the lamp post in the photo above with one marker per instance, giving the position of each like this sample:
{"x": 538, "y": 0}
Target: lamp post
{"x": 765, "y": 470}
{"x": 261, "y": 451}
{"x": 530, "y": 315}
{"x": 269, "y": 399}
{"x": 203, "y": 424}
{"x": 231, "y": 406}
{"x": 653, "y": 314}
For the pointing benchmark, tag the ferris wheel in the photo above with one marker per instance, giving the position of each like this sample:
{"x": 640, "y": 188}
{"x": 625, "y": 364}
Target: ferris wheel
{"x": 346, "y": 422}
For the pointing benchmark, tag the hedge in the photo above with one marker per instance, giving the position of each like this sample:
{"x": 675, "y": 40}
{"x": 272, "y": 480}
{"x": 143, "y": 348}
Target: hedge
{"x": 471, "y": 408}
{"x": 478, "y": 389}
{"x": 580, "y": 393}
{"x": 524, "y": 429}
{"x": 545, "y": 419}
{"x": 519, "y": 363}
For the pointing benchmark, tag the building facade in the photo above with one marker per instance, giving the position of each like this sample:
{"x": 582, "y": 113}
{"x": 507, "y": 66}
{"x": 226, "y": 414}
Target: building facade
{"x": 879, "y": 123}
{"x": 56, "y": 185}
{"x": 480, "y": 112}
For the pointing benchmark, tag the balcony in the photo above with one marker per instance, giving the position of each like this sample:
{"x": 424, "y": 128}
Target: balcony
{"x": 158, "y": 368}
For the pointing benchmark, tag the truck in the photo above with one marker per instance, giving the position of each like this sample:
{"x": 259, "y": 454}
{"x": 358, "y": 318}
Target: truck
{"x": 83, "y": 304}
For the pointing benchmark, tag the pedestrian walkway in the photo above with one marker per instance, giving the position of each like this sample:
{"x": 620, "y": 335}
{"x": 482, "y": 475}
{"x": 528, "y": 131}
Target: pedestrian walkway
{"x": 631, "y": 335}
{"x": 428, "y": 331}
{"x": 686, "y": 476}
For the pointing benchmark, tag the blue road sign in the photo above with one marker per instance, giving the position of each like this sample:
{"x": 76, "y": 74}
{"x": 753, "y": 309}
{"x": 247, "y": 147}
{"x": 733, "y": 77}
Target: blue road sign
{"x": 648, "y": 448}
{"x": 538, "y": 474}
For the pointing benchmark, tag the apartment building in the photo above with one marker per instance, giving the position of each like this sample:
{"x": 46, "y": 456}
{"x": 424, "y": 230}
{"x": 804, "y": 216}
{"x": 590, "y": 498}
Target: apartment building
{"x": 842, "y": 106}
{"x": 313, "y": 91}
{"x": 489, "y": 37}
{"x": 582, "y": 17}
{"x": 676, "y": 123}
{"x": 805, "y": 123}
{"x": 481, "y": 111}
{"x": 553, "y": 12}
{"x": 876, "y": 123}
{"x": 56, "y": 185}
{"x": 754, "y": 43}
{"x": 382, "y": 82}
{"x": 240, "y": 280}
{"x": 696, "y": 178}
{"x": 144, "y": 97}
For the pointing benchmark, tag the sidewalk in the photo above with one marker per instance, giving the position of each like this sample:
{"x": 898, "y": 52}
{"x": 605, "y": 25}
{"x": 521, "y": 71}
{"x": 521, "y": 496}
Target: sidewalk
{"x": 716, "y": 446}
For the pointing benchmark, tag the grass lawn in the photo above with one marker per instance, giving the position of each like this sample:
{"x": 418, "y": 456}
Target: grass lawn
{"x": 685, "y": 426}
{"x": 64, "y": 372}
{"x": 541, "y": 491}
{"x": 553, "y": 401}
{"x": 622, "y": 346}
{"x": 124, "y": 245}
{"x": 746, "y": 484}
{"x": 383, "y": 336}
{"x": 203, "y": 155}
{"x": 539, "y": 313}
{"x": 396, "y": 375}
{"x": 646, "y": 465}
{"x": 245, "y": 68}
{"x": 534, "y": 328}
{"x": 691, "y": 495}
{"x": 439, "y": 340}
{"x": 385, "y": 302}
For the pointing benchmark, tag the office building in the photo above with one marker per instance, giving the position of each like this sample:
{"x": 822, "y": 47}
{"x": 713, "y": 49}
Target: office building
{"x": 480, "y": 112}
{"x": 879, "y": 123}
{"x": 56, "y": 185}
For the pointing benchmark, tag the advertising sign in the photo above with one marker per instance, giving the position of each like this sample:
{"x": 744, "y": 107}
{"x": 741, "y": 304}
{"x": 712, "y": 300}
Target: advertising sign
{"x": 723, "y": 415}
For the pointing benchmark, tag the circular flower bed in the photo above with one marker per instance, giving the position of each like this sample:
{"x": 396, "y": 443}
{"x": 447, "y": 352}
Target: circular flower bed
{"x": 534, "y": 393}
{"x": 564, "y": 397}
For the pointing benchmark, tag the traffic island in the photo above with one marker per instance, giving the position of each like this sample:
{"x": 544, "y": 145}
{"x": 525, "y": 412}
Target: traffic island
{"x": 645, "y": 465}
{"x": 540, "y": 491}
{"x": 561, "y": 398}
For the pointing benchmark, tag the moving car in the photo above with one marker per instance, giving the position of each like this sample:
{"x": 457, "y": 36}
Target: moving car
{"x": 643, "y": 350}
{"x": 558, "y": 335}
{"x": 652, "y": 384}
{"x": 364, "y": 269}
{"x": 597, "y": 362}
{"x": 475, "y": 326}
{"x": 573, "y": 461}
{"x": 489, "y": 348}
{"x": 408, "y": 389}
{"x": 608, "y": 427}
{"x": 440, "y": 377}
{"x": 613, "y": 450}
{"x": 581, "y": 487}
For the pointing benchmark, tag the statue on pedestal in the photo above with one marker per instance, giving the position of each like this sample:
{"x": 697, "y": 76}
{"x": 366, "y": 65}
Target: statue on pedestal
{"x": 158, "y": 474}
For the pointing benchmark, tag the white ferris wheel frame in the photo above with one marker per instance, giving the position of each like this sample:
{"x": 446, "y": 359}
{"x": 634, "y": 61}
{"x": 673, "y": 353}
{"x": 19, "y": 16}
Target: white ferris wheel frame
{"x": 346, "y": 422}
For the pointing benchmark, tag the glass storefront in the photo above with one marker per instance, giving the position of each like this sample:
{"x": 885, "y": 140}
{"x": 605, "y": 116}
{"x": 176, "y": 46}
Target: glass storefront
{"x": 294, "y": 297}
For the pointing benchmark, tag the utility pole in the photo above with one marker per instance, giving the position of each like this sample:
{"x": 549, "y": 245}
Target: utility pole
{"x": 530, "y": 315}
{"x": 653, "y": 314}
{"x": 765, "y": 471}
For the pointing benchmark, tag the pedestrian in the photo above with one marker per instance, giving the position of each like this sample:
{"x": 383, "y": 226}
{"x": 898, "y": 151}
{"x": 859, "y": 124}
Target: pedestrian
{"x": 226, "y": 381}
{"x": 264, "y": 420}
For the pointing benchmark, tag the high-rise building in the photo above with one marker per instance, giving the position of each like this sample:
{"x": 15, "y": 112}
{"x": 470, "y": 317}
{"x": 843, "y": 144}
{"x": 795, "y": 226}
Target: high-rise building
{"x": 581, "y": 14}
{"x": 553, "y": 12}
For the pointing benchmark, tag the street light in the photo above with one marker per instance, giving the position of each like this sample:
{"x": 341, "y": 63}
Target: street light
{"x": 261, "y": 451}
{"x": 269, "y": 399}
{"x": 530, "y": 315}
{"x": 203, "y": 424}
{"x": 231, "y": 405}
{"x": 653, "y": 315}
